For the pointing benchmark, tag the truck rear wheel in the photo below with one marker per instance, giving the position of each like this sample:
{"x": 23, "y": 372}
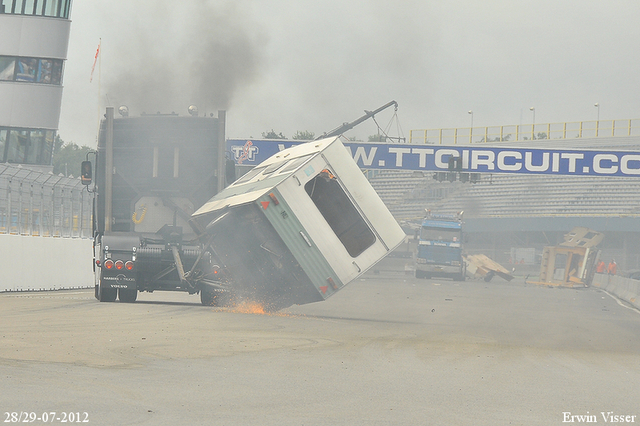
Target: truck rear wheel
{"x": 107, "y": 294}
{"x": 217, "y": 298}
{"x": 127, "y": 295}
{"x": 208, "y": 298}
{"x": 104, "y": 294}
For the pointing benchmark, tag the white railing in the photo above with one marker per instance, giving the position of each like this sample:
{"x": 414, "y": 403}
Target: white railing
{"x": 43, "y": 204}
{"x": 524, "y": 132}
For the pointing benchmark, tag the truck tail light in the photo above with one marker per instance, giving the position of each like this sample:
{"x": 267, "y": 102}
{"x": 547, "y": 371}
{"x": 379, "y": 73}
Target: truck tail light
{"x": 215, "y": 270}
{"x": 129, "y": 265}
{"x": 108, "y": 264}
{"x": 119, "y": 264}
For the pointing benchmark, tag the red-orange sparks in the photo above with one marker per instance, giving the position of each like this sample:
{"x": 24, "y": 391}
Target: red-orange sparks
{"x": 250, "y": 308}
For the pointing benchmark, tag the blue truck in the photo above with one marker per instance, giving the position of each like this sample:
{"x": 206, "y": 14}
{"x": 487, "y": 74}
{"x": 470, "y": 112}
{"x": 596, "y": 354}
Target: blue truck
{"x": 439, "y": 250}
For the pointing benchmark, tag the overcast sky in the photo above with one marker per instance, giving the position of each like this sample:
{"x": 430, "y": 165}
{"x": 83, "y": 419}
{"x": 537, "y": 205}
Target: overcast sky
{"x": 292, "y": 65}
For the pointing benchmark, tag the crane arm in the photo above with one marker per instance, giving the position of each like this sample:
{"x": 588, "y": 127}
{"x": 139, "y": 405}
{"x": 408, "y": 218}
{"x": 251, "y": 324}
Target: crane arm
{"x": 348, "y": 126}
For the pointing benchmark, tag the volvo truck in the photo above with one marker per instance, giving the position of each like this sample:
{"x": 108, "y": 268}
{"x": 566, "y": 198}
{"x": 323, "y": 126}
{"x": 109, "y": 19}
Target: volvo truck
{"x": 151, "y": 173}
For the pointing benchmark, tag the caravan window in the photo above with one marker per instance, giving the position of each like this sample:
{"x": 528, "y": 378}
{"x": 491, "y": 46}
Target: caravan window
{"x": 273, "y": 167}
{"x": 295, "y": 163}
{"x": 249, "y": 175}
{"x": 340, "y": 213}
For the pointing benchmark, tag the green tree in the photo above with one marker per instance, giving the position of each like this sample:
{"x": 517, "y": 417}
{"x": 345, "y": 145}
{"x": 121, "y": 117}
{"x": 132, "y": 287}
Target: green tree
{"x": 304, "y": 135}
{"x": 67, "y": 157}
{"x": 273, "y": 135}
{"x": 540, "y": 135}
{"x": 377, "y": 138}
{"x": 57, "y": 144}
{"x": 497, "y": 139}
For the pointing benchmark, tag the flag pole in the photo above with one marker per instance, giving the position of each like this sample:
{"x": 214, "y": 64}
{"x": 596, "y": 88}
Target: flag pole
{"x": 99, "y": 87}
{"x": 97, "y": 58}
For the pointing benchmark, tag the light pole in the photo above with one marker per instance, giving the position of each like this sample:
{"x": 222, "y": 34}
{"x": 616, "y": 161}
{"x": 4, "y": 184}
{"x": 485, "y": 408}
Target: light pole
{"x": 471, "y": 128}
{"x": 533, "y": 125}
{"x": 597, "y": 105}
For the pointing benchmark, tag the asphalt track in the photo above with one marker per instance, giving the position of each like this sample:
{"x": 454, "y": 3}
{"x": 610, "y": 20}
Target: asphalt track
{"x": 388, "y": 350}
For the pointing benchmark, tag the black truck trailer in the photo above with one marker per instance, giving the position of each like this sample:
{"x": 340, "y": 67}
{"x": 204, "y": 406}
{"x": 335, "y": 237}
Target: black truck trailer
{"x": 151, "y": 173}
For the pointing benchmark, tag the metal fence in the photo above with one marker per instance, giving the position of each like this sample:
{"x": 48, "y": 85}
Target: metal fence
{"x": 38, "y": 203}
{"x": 523, "y": 132}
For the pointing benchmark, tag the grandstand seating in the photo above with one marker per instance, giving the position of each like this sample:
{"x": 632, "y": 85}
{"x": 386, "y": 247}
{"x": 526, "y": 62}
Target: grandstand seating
{"x": 407, "y": 195}
{"x": 504, "y": 211}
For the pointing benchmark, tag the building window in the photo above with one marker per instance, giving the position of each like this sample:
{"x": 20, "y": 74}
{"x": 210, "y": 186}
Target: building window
{"x": 27, "y": 68}
{"x": 56, "y": 72}
{"x": 29, "y": 7}
{"x": 36, "y": 147}
{"x": 7, "y": 68}
{"x": 32, "y": 70}
{"x": 26, "y": 146}
{"x": 51, "y": 8}
{"x": 3, "y": 143}
{"x": 45, "y": 69}
{"x": 340, "y": 213}
{"x": 17, "y": 146}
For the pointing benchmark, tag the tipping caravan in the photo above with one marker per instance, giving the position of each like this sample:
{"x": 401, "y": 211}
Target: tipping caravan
{"x": 298, "y": 227}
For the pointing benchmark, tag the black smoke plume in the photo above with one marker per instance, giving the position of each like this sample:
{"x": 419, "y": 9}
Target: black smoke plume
{"x": 176, "y": 54}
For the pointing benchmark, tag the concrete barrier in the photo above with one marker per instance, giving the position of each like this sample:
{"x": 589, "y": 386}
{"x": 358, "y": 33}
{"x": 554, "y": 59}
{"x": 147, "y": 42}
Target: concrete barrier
{"x": 44, "y": 263}
{"x": 626, "y": 289}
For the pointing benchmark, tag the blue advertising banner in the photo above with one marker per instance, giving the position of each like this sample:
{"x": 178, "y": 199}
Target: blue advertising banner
{"x": 481, "y": 159}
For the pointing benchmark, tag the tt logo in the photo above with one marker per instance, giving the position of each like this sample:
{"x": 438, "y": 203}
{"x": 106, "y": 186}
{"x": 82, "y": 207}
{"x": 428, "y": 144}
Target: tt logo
{"x": 246, "y": 152}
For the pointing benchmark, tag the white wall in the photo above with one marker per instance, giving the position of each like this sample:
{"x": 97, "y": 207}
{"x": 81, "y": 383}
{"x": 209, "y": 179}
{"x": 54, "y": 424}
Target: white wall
{"x": 37, "y": 36}
{"x": 30, "y": 105}
{"x": 44, "y": 263}
{"x": 626, "y": 289}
